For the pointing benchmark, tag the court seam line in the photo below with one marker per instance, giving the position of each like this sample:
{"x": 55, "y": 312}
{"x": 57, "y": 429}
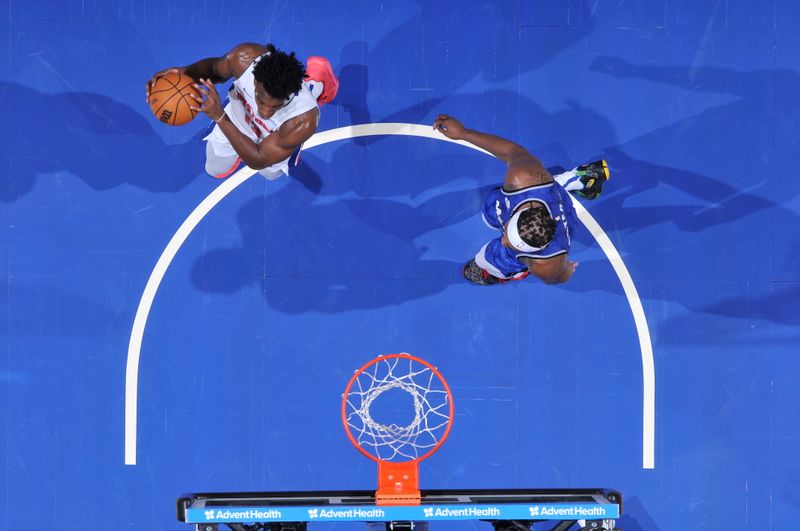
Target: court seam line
{"x": 346, "y": 133}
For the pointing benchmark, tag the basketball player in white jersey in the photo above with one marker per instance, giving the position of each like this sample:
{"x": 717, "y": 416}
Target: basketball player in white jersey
{"x": 273, "y": 106}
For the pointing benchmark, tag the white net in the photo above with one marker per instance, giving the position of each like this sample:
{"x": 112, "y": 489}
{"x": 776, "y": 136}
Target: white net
{"x": 397, "y": 409}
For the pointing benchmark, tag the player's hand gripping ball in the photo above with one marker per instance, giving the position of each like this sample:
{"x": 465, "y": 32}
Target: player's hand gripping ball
{"x": 171, "y": 98}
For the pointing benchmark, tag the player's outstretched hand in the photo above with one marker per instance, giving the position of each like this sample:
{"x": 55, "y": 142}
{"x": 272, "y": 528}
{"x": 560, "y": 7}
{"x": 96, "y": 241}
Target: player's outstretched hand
{"x": 170, "y": 70}
{"x": 449, "y": 127}
{"x": 209, "y": 101}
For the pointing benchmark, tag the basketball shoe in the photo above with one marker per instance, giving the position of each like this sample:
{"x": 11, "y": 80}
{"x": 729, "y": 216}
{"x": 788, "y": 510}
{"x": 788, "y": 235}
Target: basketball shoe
{"x": 592, "y": 175}
{"x": 319, "y": 69}
{"x": 477, "y": 275}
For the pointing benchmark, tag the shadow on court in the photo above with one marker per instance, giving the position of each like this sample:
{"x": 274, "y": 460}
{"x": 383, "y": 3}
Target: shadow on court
{"x": 380, "y": 213}
{"x": 331, "y": 246}
{"x": 488, "y": 54}
{"x": 99, "y": 140}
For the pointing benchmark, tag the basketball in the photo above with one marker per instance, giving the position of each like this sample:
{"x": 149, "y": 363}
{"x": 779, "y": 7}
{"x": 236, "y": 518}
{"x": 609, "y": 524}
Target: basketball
{"x": 170, "y": 98}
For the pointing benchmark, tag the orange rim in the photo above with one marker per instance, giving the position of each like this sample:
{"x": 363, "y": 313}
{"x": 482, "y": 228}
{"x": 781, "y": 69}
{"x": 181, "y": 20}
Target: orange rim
{"x": 403, "y": 355}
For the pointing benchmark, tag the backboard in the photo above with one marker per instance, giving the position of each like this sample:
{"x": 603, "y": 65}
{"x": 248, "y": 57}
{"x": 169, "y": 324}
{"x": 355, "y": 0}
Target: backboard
{"x": 519, "y": 507}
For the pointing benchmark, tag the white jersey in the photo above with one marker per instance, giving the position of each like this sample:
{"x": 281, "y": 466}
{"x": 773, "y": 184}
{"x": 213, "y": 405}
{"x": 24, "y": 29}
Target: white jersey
{"x": 243, "y": 112}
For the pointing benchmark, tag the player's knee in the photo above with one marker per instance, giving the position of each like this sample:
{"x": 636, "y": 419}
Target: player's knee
{"x": 218, "y": 167}
{"x": 211, "y": 168}
{"x": 214, "y": 170}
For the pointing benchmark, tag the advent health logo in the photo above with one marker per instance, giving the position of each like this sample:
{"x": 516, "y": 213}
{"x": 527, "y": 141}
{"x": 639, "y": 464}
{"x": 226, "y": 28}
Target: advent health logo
{"x": 551, "y": 511}
{"x": 350, "y": 513}
{"x": 242, "y": 514}
{"x": 461, "y": 512}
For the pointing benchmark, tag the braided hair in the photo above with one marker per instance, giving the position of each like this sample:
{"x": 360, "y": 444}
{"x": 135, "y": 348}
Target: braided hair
{"x": 535, "y": 226}
{"x": 280, "y": 73}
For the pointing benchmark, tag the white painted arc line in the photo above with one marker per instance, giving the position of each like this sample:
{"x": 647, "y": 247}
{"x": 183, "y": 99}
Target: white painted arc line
{"x": 146, "y": 302}
{"x": 343, "y": 133}
{"x": 643, "y": 332}
{"x": 379, "y": 129}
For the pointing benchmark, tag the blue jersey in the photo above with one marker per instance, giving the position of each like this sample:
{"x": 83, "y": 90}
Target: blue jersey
{"x": 500, "y": 206}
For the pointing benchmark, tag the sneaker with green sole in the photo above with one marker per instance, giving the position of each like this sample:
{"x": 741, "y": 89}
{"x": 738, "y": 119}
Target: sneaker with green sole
{"x": 593, "y": 175}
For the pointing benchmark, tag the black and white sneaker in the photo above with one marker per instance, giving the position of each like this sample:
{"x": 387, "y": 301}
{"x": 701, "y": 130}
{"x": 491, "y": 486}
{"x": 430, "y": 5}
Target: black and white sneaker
{"x": 593, "y": 176}
{"x": 477, "y": 275}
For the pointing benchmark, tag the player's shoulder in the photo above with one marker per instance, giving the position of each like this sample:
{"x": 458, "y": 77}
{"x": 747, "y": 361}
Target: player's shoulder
{"x": 519, "y": 177}
{"x": 253, "y": 48}
{"x": 241, "y": 56}
{"x": 302, "y": 126}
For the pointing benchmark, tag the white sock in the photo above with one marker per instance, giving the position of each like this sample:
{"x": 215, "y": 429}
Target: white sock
{"x": 569, "y": 180}
{"x": 316, "y": 87}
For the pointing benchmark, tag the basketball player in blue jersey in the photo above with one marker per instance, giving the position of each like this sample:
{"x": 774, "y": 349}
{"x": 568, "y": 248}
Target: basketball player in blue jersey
{"x": 273, "y": 106}
{"x": 532, "y": 209}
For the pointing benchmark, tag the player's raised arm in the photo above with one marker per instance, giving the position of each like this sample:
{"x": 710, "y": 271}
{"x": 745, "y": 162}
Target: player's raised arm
{"x": 216, "y": 69}
{"x": 523, "y": 168}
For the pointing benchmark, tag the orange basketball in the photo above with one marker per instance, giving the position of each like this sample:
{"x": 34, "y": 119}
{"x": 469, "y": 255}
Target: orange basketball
{"x": 170, "y": 99}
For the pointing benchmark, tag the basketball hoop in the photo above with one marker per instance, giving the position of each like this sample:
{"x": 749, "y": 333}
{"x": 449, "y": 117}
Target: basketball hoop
{"x": 397, "y": 410}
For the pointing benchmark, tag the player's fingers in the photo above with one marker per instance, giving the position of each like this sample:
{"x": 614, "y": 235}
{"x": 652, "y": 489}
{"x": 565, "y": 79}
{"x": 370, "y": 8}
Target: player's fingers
{"x": 211, "y": 90}
{"x": 149, "y": 86}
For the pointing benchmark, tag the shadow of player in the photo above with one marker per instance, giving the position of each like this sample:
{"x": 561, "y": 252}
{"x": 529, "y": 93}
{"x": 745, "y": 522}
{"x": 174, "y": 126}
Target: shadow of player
{"x": 342, "y": 253}
{"x": 101, "y": 141}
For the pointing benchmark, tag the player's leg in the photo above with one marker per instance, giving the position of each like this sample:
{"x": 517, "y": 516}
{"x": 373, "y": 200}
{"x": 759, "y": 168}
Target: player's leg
{"x": 586, "y": 180}
{"x": 221, "y": 161}
{"x": 494, "y": 265}
{"x": 323, "y": 83}
{"x": 477, "y": 275}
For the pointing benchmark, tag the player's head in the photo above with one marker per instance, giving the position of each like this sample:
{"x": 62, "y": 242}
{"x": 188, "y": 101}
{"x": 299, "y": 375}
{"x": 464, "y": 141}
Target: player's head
{"x": 279, "y": 75}
{"x": 530, "y": 229}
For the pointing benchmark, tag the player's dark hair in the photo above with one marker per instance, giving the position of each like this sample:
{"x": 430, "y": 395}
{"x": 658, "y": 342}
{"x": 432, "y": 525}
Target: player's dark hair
{"x": 535, "y": 226}
{"x": 279, "y": 72}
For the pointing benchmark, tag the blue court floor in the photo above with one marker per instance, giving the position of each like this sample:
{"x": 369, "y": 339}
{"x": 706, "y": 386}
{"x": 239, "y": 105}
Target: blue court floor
{"x": 163, "y": 332}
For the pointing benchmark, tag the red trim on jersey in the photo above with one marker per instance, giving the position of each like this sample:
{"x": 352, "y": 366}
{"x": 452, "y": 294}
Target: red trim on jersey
{"x": 251, "y": 118}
